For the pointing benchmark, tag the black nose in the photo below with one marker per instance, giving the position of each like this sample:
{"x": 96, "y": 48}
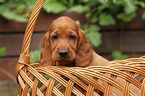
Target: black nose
{"x": 63, "y": 53}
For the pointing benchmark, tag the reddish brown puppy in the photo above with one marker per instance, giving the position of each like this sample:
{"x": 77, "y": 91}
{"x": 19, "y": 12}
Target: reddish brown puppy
{"x": 65, "y": 44}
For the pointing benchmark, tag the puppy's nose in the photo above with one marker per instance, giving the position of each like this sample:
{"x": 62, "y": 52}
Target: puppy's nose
{"x": 63, "y": 53}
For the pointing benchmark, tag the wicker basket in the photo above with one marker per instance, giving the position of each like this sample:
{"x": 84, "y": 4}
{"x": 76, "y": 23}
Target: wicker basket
{"x": 54, "y": 80}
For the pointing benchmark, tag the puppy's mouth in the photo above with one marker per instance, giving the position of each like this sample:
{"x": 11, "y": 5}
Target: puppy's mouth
{"x": 63, "y": 60}
{"x": 66, "y": 62}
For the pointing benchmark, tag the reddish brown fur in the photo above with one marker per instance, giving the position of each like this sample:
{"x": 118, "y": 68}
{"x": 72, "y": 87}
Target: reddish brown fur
{"x": 80, "y": 50}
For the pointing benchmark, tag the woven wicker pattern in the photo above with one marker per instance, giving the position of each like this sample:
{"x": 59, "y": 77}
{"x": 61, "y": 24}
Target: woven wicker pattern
{"x": 122, "y": 76}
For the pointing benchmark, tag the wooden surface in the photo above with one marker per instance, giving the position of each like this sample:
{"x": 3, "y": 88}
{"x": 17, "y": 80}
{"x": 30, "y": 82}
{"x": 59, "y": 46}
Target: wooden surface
{"x": 8, "y": 64}
{"x": 130, "y": 42}
{"x": 127, "y": 41}
{"x": 41, "y": 25}
{"x": 13, "y": 42}
{"x": 45, "y": 19}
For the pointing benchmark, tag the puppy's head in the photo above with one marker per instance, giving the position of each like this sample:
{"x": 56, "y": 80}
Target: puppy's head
{"x": 65, "y": 43}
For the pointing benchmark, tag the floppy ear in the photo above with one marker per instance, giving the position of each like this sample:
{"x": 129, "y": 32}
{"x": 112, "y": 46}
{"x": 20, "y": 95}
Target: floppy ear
{"x": 45, "y": 55}
{"x": 84, "y": 52}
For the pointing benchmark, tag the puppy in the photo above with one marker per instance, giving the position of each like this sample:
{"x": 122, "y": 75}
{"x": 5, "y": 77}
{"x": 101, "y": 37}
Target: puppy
{"x": 65, "y": 44}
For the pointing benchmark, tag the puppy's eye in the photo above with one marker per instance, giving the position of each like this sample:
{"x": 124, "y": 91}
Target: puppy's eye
{"x": 55, "y": 37}
{"x": 72, "y": 37}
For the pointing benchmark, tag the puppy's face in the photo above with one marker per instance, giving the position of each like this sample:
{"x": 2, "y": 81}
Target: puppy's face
{"x": 63, "y": 39}
{"x": 65, "y": 44}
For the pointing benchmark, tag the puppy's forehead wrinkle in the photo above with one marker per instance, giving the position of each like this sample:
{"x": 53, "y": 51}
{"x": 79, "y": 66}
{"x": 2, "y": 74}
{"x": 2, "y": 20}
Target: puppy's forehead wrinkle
{"x": 68, "y": 23}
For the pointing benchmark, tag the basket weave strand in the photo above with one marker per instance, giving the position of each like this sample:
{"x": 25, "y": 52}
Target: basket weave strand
{"x": 69, "y": 81}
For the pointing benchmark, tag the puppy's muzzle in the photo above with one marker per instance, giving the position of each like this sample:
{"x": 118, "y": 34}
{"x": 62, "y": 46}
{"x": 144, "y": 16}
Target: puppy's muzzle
{"x": 63, "y": 53}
